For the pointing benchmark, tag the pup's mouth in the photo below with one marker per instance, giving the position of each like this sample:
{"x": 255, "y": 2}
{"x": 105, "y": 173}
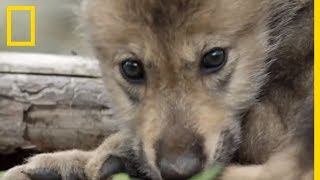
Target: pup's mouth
{"x": 185, "y": 164}
{"x": 133, "y": 174}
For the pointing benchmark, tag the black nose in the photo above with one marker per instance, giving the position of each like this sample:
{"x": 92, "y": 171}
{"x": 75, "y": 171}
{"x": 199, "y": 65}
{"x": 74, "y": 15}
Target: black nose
{"x": 181, "y": 167}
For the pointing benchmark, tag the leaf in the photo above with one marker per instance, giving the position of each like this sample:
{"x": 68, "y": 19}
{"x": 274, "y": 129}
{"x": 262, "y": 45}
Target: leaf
{"x": 1, "y": 173}
{"x": 209, "y": 174}
{"x": 121, "y": 176}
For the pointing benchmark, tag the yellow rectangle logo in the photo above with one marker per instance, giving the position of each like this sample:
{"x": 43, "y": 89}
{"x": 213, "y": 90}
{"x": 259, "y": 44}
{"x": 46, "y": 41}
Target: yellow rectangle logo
{"x": 32, "y": 41}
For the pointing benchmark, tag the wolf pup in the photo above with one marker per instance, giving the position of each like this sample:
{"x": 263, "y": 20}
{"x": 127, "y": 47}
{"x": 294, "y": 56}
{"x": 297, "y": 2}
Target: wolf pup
{"x": 196, "y": 83}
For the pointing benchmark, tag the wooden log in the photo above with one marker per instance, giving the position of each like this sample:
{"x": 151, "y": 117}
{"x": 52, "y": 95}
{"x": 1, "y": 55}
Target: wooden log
{"x": 48, "y": 65}
{"x": 50, "y": 102}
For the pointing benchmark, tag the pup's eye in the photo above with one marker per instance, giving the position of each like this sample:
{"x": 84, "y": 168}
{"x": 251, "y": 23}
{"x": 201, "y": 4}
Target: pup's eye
{"x": 213, "y": 61}
{"x": 132, "y": 71}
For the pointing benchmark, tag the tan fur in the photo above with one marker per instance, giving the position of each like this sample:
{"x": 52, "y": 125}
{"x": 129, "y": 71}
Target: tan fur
{"x": 66, "y": 162}
{"x": 282, "y": 165}
{"x": 255, "y": 104}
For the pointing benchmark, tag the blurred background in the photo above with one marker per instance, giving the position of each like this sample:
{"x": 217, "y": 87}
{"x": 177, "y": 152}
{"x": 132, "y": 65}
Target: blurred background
{"x": 57, "y": 27}
{"x": 51, "y": 95}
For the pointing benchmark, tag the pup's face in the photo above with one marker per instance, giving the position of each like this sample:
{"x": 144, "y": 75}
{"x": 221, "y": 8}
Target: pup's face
{"x": 179, "y": 73}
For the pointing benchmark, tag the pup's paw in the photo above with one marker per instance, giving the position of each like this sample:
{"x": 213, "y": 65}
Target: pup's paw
{"x": 67, "y": 165}
{"x": 113, "y": 165}
{"x": 118, "y": 154}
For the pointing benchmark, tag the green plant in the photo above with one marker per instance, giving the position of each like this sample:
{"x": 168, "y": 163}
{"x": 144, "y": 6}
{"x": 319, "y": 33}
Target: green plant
{"x": 1, "y": 173}
{"x": 209, "y": 174}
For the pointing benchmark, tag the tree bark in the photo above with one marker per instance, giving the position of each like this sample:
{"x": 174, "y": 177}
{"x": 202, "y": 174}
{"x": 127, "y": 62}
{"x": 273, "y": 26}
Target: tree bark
{"x": 52, "y": 102}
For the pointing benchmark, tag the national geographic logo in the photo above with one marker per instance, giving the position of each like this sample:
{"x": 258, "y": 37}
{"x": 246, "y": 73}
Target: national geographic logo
{"x": 32, "y": 40}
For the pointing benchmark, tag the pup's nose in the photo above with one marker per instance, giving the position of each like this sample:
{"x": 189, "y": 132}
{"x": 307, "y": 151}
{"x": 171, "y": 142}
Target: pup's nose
{"x": 182, "y": 167}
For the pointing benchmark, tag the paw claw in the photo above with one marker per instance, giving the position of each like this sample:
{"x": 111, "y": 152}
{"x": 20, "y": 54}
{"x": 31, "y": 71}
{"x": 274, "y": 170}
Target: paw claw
{"x": 112, "y": 166}
{"x": 75, "y": 177}
{"x": 44, "y": 175}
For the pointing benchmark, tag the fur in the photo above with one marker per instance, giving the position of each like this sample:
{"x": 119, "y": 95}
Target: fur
{"x": 255, "y": 112}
